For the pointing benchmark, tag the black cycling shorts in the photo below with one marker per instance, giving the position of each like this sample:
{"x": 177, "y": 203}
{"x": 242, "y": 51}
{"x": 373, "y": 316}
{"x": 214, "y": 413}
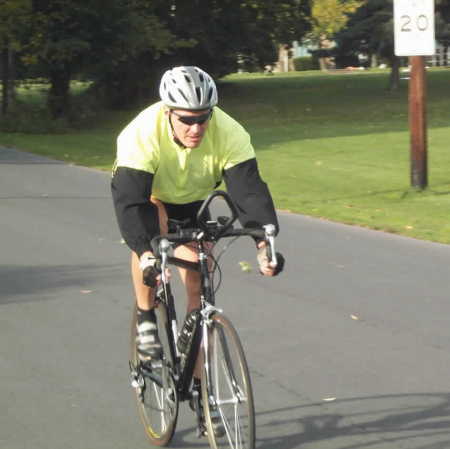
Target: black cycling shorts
{"x": 186, "y": 213}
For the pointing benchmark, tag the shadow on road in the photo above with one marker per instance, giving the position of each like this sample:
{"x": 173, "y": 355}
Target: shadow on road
{"x": 16, "y": 157}
{"x": 37, "y": 283}
{"x": 419, "y": 421}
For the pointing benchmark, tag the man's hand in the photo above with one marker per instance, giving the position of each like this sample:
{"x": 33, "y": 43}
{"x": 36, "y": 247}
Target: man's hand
{"x": 266, "y": 267}
{"x": 150, "y": 267}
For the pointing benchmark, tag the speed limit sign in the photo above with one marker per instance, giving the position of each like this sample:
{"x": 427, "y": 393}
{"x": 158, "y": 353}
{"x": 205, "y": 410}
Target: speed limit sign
{"x": 414, "y": 27}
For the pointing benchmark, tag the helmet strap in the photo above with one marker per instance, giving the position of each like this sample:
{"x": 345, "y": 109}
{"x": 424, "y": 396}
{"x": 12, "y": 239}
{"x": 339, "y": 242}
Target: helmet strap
{"x": 175, "y": 138}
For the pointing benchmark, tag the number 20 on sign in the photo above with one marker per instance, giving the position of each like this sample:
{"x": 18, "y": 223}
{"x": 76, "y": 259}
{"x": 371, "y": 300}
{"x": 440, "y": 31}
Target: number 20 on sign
{"x": 414, "y": 27}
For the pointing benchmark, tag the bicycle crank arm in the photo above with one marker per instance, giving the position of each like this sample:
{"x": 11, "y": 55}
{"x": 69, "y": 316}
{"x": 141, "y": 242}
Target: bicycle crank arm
{"x": 195, "y": 405}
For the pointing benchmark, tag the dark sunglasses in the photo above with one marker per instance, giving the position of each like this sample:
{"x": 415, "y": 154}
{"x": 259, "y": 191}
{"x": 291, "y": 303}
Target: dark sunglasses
{"x": 193, "y": 119}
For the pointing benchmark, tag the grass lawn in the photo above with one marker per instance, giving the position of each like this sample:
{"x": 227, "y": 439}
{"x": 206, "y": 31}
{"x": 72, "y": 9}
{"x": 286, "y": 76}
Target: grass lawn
{"x": 329, "y": 145}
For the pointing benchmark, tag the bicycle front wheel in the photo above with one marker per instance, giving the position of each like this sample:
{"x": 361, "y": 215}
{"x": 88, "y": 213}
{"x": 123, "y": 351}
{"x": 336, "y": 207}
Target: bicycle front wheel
{"x": 156, "y": 395}
{"x": 226, "y": 389}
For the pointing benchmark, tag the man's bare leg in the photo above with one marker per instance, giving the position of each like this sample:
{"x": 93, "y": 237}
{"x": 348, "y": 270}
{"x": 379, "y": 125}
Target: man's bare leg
{"x": 147, "y": 342}
{"x": 190, "y": 279}
{"x": 144, "y": 294}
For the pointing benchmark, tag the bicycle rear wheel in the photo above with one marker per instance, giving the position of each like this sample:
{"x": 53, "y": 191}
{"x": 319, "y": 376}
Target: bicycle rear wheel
{"x": 156, "y": 395}
{"x": 226, "y": 389}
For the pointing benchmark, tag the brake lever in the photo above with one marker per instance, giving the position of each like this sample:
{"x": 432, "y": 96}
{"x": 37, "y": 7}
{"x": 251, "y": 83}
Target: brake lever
{"x": 164, "y": 246}
{"x": 270, "y": 232}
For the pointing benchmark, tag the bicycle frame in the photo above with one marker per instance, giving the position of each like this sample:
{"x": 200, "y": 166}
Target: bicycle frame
{"x": 166, "y": 307}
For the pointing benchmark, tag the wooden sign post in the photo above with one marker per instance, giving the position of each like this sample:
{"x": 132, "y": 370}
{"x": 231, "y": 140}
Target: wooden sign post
{"x": 414, "y": 37}
{"x": 418, "y": 123}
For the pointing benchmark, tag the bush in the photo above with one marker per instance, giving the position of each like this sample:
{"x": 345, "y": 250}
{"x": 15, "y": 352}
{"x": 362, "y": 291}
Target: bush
{"x": 29, "y": 112}
{"x": 31, "y": 118}
{"x": 342, "y": 61}
{"x": 306, "y": 63}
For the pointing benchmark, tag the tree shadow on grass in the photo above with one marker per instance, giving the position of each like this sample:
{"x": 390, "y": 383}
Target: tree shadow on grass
{"x": 297, "y": 108}
{"x": 419, "y": 421}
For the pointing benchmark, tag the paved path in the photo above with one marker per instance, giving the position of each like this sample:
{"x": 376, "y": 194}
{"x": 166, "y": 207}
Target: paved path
{"x": 349, "y": 349}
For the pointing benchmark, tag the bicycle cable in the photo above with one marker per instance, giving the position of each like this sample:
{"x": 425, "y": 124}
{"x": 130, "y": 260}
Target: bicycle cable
{"x": 216, "y": 266}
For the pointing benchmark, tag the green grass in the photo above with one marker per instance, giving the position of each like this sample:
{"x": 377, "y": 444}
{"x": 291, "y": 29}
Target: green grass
{"x": 331, "y": 146}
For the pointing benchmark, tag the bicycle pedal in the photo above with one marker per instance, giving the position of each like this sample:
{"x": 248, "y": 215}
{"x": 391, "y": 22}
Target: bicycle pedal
{"x": 201, "y": 431}
{"x": 136, "y": 379}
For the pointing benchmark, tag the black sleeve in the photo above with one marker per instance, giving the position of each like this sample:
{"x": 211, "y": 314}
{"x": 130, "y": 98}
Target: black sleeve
{"x": 251, "y": 195}
{"x": 136, "y": 215}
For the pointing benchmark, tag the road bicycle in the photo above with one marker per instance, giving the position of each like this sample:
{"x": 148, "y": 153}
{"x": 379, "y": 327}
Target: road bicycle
{"x": 207, "y": 336}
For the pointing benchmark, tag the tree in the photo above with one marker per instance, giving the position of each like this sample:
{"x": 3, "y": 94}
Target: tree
{"x": 443, "y": 24}
{"x": 132, "y": 43}
{"x": 61, "y": 38}
{"x": 227, "y": 31}
{"x": 105, "y": 39}
{"x": 124, "y": 45}
{"x": 13, "y": 16}
{"x": 327, "y": 18}
{"x": 370, "y": 30}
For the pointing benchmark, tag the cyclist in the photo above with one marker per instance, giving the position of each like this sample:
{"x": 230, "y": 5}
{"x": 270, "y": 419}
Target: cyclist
{"x": 169, "y": 158}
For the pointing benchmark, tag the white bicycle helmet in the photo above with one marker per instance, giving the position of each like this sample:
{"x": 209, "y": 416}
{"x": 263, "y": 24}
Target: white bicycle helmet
{"x": 188, "y": 87}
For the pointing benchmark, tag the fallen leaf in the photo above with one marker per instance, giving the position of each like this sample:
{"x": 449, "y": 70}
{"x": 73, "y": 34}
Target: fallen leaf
{"x": 328, "y": 399}
{"x": 245, "y": 266}
{"x": 84, "y": 292}
{"x": 354, "y": 317}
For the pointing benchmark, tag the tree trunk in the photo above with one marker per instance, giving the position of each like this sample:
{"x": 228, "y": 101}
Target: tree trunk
{"x": 283, "y": 58}
{"x": 394, "y": 78}
{"x": 322, "y": 64}
{"x": 6, "y": 91}
{"x": 58, "y": 99}
{"x": 12, "y": 77}
{"x": 374, "y": 61}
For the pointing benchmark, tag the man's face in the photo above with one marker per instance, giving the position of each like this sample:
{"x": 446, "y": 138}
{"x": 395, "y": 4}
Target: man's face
{"x": 189, "y": 126}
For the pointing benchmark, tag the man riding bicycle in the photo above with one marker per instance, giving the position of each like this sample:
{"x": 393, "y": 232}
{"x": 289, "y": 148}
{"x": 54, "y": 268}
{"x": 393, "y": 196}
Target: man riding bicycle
{"x": 169, "y": 158}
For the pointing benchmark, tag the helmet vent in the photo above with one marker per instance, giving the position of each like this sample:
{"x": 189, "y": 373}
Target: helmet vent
{"x": 183, "y": 95}
{"x": 199, "y": 94}
{"x": 187, "y": 79}
{"x": 202, "y": 78}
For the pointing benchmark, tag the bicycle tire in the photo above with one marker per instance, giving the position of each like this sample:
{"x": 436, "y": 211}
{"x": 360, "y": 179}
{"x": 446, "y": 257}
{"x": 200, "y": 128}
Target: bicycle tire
{"x": 226, "y": 388}
{"x": 157, "y": 402}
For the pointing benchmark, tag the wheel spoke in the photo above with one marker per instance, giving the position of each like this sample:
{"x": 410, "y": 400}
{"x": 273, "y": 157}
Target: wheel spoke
{"x": 230, "y": 391}
{"x": 238, "y": 428}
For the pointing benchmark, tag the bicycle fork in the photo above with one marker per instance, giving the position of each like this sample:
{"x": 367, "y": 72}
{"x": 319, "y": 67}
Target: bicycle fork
{"x": 196, "y": 401}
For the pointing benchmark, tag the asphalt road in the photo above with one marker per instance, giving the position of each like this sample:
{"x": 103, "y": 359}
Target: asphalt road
{"x": 349, "y": 348}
